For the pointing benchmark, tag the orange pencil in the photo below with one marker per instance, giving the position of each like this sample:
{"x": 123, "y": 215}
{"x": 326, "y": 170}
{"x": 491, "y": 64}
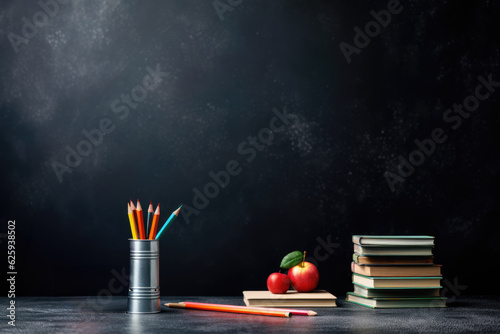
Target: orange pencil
{"x": 235, "y": 309}
{"x": 131, "y": 219}
{"x": 292, "y": 311}
{"x": 154, "y": 224}
{"x": 140, "y": 220}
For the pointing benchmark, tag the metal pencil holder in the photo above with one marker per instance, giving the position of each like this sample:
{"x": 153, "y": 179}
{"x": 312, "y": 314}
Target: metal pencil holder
{"x": 144, "y": 287}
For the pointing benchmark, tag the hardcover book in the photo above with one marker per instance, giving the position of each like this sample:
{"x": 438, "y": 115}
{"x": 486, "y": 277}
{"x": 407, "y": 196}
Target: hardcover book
{"x": 393, "y": 260}
{"x": 393, "y": 250}
{"x": 374, "y": 292}
{"x": 292, "y": 298}
{"x": 434, "y": 270}
{"x": 393, "y": 240}
{"x": 397, "y": 282}
{"x": 385, "y": 302}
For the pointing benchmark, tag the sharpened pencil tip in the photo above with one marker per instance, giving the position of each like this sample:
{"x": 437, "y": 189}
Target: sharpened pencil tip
{"x": 176, "y": 212}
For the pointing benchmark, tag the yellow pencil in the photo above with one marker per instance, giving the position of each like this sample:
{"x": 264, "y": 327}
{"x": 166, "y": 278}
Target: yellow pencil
{"x": 132, "y": 222}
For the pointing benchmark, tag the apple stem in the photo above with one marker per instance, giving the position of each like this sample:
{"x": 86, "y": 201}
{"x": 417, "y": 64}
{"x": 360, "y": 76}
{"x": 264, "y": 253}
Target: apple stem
{"x": 303, "y": 259}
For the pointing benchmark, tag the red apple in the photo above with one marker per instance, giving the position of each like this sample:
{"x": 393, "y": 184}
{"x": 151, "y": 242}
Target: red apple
{"x": 304, "y": 276}
{"x": 278, "y": 283}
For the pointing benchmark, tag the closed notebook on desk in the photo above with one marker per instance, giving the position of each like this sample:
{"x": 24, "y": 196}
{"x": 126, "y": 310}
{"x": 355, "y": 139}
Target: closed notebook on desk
{"x": 317, "y": 298}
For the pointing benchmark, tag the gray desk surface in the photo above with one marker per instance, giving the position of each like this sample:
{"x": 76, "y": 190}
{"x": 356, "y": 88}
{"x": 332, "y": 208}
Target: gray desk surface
{"x": 480, "y": 314}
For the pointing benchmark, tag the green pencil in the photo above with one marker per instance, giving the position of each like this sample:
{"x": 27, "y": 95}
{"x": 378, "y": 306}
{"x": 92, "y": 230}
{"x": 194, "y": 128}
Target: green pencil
{"x": 169, "y": 220}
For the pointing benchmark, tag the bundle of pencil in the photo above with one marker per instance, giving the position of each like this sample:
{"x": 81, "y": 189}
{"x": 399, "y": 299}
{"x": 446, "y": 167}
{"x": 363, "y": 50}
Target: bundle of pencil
{"x": 144, "y": 231}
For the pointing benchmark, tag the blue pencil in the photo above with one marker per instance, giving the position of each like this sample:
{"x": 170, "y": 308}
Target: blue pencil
{"x": 169, "y": 220}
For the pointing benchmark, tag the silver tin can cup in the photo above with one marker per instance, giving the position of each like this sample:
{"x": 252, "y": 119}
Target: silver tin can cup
{"x": 144, "y": 287}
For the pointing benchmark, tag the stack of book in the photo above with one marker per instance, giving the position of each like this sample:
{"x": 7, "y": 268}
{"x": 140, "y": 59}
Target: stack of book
{"x": 395, "y": 271}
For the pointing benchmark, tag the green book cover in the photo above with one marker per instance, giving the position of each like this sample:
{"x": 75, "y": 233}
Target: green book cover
{"x": 393, "y": 236}
{"x": 396, "y": 302}
{"x": 355, "y": 257}
{"x": 399, "y": 288}
{"x": 397, "y": 282}
{"x": 396, "y": 292}
{"x": 399, "y": 277}
{"x": 393, "y": 240}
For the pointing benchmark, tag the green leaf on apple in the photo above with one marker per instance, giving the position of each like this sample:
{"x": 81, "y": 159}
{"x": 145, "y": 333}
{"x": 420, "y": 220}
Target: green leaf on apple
{"x": 291, "y": 259}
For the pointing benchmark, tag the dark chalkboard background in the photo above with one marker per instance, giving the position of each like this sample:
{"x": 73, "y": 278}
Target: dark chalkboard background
{"x": 320, "y": 181}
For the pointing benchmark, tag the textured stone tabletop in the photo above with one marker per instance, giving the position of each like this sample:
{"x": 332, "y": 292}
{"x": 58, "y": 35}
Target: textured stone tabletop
{"x": 480, "y": 314}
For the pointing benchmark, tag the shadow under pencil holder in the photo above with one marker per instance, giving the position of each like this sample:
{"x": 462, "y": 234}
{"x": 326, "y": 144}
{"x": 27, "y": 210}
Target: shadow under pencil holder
{"x": 144, "y": 286}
